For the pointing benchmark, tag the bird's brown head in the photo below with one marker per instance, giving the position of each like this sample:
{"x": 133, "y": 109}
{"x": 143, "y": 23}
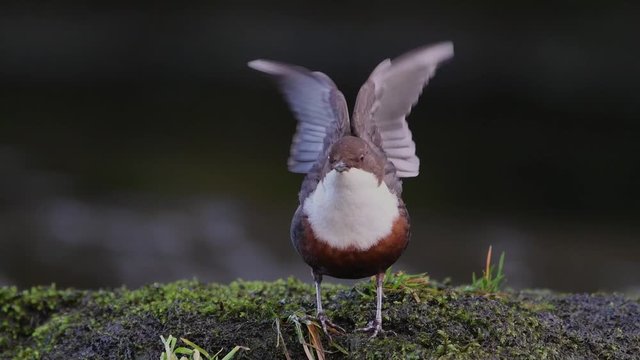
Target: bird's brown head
{"x": 353, "y": 152}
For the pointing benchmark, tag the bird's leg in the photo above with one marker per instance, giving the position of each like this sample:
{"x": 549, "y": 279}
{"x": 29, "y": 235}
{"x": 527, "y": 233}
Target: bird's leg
{"x": 375, "y": 326}
{"x": 322, "y": 317}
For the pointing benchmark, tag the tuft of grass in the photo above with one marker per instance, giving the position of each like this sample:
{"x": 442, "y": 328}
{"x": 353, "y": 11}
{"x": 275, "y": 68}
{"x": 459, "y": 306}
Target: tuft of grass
{"x": 311, "y": 342}
{"x": 401, "y": 282}
{"x": 492, "y": 278}
{"x": 398, "y": 283}
{"x": 192, "y": 352}
{"x": 312, "y": 348}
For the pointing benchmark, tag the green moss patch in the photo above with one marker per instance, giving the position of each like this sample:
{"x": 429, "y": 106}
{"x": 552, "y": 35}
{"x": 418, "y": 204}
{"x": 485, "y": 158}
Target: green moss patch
{"x": 424, "y": 320}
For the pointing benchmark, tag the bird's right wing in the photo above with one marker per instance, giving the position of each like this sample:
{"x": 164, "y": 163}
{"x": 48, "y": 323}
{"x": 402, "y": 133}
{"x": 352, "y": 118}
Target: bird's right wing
{"x": 317, "y": 104}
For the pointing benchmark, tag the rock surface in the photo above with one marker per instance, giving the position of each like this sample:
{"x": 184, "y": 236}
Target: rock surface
{"x": 424, "y": 319}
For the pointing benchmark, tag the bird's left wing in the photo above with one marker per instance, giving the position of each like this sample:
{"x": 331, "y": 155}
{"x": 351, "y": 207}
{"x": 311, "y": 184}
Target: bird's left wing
{"x": 386, "y": 99}
{"x": 317, "y": 104}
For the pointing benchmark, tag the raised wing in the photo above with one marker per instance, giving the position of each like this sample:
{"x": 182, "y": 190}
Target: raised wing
{"x": 386, "y": 99}
{"x": 317, "y": 104}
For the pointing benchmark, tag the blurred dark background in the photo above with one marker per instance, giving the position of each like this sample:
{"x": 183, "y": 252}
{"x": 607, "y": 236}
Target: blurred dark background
{"x": 136, "y": 146}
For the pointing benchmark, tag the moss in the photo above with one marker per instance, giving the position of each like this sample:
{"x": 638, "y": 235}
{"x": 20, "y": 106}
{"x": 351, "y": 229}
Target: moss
{"x": 23, "y": 312}
{"x": 424, "y": 319}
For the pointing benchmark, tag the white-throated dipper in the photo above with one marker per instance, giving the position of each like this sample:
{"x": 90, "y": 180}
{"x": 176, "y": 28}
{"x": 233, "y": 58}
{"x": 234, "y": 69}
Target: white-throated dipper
{"x": 351, "y": 221}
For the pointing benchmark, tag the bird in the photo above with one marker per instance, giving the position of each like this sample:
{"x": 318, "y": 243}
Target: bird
{"x": 351, "y": 221}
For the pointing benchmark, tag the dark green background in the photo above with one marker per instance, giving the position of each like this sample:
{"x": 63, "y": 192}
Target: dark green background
{"x": 125, "y": 121}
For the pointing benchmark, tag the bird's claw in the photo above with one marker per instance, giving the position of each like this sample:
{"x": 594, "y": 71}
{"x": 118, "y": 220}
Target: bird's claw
{"x": 375, "y": 327}
{"x": 328, "y": 326}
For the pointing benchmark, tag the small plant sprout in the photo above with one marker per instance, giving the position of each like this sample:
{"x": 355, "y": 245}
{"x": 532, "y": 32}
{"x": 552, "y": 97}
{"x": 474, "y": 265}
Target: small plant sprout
{"x": 193, "y": 352}
{"x": 491, "y": 279}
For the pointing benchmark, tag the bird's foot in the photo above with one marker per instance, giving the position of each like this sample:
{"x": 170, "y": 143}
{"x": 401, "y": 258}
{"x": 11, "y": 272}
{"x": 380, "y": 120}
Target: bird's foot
{"x": 374, "y": 327}
{"x": 328, "y": 326}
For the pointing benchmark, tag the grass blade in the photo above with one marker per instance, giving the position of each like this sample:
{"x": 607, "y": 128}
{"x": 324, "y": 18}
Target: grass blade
{"x": 196, "y": 347}
{"x": 233, "y": 352}
{"x": 280, "y": 337}
{"x": 315, "y": 340}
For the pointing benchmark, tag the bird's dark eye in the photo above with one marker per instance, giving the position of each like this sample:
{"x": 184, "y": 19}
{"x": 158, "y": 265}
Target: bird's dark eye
{"x": 362, "y": 157}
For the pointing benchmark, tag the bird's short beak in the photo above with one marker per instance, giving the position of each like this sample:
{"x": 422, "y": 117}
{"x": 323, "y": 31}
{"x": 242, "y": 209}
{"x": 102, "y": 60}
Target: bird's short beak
{"x": 340, "y": 166}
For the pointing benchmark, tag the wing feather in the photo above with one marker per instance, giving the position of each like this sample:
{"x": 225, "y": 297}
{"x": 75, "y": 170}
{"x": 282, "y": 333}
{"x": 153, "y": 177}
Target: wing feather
{"x": 318, "y": 106}
{"x": 387, "y": 97}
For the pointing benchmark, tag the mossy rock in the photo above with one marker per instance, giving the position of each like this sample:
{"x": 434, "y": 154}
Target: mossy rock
{"x": 423, "y": 320}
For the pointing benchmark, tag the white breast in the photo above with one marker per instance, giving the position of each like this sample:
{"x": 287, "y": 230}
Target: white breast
{"x": 351, "y": 209}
